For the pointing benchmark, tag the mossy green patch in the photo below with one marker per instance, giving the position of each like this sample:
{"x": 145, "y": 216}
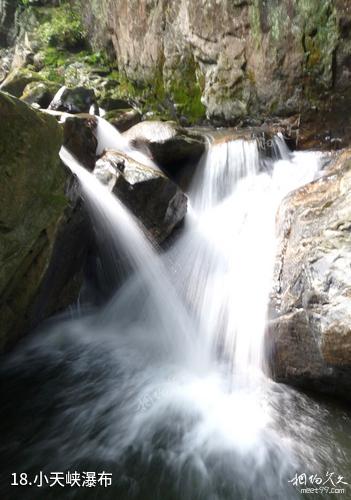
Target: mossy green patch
{"x": 255, "y": 23}
{"x": 320, "y": 39}
{"x": 185, "y": 90}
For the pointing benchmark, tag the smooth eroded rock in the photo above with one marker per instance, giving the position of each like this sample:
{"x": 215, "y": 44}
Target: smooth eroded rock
{"x": 169, "y": 145}
{"x": 18, "y": 79}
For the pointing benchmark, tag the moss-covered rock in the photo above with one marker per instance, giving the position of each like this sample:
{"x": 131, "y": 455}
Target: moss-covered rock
{"x": 18, "y": 79}
{"x": 123, "y": 119}
{"x": 32, "y": 202}
{"x": 41, "y": 93}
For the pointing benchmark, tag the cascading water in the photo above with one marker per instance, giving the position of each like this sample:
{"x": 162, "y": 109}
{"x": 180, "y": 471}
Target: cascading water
{"x": 227, "y": 253}
{"x": 141, "y": 388}
{"x": 109, "y": 138}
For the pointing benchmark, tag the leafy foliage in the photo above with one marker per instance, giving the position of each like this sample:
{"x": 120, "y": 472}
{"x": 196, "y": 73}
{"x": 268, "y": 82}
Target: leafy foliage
{"x": 64, "y": 30}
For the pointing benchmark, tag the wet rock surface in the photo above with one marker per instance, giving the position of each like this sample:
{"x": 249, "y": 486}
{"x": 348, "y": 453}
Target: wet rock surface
{"x": 309, "y": 336}
{"x": 123, "y": 119}
{"x": 74, "y": 100}
{"x": 155, "y": 200}
{"x": 32, "y": 204}
{"x": 80, "y": 139}
{"x": 45, "y": 234}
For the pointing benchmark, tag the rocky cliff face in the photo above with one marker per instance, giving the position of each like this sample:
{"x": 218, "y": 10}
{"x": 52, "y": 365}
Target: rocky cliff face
{"x": 243, "y": 59}
{"x": 310, "y": 337}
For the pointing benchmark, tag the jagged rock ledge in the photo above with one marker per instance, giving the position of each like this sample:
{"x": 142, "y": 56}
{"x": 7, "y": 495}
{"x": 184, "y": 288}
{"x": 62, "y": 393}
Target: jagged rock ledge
{"x": 309, "y": 335}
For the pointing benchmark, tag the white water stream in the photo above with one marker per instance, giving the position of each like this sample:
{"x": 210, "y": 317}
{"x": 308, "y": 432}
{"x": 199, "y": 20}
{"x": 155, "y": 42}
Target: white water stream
{"x": 225, "y": 259}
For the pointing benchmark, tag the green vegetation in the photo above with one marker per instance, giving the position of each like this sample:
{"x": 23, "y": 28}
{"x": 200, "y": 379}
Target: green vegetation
{"x": 64, "y": 30}
{"x": 186, "y": 92}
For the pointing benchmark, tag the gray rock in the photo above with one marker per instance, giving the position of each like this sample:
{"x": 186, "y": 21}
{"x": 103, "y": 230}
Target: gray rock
{"x": 76, "y": 100}
{"x": 167, "y": 144}
{"x": 242, "y": 58}
{"x": 309, "y": 337}
{"x": 7, "y": 22}
{"x": 155, "y": 200}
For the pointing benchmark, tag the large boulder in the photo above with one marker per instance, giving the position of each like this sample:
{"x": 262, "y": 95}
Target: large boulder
{"x": 32, "y": 204}
{"x": 154, "y": 199}
{"x": 169, "y": 145}
{"x": 45, "y": 234}
{"x": 310, "y": 333}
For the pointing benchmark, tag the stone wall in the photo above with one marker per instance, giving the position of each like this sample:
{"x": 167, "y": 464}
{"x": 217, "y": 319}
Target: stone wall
{"x": 246, "y": 58}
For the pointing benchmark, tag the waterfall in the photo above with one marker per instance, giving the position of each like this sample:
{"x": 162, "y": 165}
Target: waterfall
{"x": 163, "y": 385}
{"x": 158, "y": 306}
{"x": 109, "y": 137}
{"x": 225, "y": 258}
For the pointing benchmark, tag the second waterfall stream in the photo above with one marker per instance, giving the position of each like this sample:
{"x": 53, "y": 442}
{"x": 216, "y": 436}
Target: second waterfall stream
{"x": 165, "y": 386}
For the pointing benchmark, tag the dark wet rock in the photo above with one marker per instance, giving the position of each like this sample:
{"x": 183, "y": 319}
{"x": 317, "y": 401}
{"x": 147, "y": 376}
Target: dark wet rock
{"x": 80, "y": 139}
{"x": 309, "y": 335}
{"x": 62, "y": 282}
{"x": 109, "y": 101}
{"x": 123, "y": 119}
{"x": 168, "y": 144}
{"x": 76, "y": 100}
{"x": 45, "y": 234}
{"x": 328, "y": 130}
{"x": 155, "y": 200}
{"x": 40, "y": 93}
{"x": 32, "y": 204}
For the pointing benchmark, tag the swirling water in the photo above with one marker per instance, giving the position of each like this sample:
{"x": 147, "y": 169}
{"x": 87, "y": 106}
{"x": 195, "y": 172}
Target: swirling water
{"x": 164, "y": 386}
